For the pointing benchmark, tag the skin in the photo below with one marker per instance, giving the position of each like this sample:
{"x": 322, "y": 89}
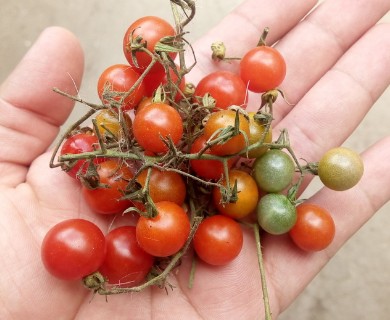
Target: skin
{"x": 340, "y": 49}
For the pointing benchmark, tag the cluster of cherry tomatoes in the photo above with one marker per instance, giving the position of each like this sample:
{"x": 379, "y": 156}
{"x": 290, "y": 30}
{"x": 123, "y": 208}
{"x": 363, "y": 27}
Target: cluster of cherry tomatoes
{"x": 171, "y": 156}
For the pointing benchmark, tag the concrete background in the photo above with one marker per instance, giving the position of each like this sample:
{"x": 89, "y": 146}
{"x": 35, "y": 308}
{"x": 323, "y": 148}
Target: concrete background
{"x": 356, "y": 283}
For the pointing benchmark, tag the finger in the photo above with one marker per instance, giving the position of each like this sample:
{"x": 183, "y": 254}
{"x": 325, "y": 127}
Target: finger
{"x": 316, "y": 44}
{"x": 350, "y": 210}
{"x": 335, "y": 106}
{"x": 31, "y": 111}
{"x": 242, "y": 29}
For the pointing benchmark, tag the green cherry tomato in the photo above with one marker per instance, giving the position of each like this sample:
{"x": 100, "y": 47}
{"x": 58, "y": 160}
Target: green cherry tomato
{"x": 273, "y": 171}
{"x": 276, "y": 214}
{"x": 340, "y": 168}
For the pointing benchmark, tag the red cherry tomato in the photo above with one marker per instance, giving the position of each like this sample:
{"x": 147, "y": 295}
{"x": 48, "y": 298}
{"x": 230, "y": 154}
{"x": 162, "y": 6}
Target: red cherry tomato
{"x": 164, "y": 185}
{"x": 125, "y": 263}
{"x": 262, "y": 68}
{"x": 218, "y": 240}
{"x": 314, "y": 229}
{"x": 151, "y": 29}
{"x": 153, "y": 80}
{"x": 165, "y": 234}
{"x": 156, "y": 121}
{"x": 116, "y": 80}
{"x": 221, "y": 120}
{"x": 225, "y": 87}
{"x": 80, "y": 143}
{"x": 114, "y": 177}
{"x": 207, "y": 169}
{"x": 73, "y": 249}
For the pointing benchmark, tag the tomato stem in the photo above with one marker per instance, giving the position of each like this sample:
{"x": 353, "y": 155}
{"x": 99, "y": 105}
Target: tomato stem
{"x": 267, "y": 308}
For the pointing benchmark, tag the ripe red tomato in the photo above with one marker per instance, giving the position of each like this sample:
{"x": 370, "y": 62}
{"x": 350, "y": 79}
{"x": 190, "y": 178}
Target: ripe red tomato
{"x": 225, "y": 87}
{"x": 220, "y": 120}
{"x": 73, "y": 249}
{"x": 80, "y": 143}
{"x": 247, "y": 196}
{"x": 151, "y": 29}
{"x": 314, "y": 229}
{"x": 125, "y": 263}
{"x": 218, "y": 240}
{"x": 114, "y": 176}
{"x": 166, "y": 233}
{"x": 156, "y": 121}
{"x": 262, "y": 68}
{"x": 117, "y": 80}
{"x": 153, "y": 80}
{"x": 164, "y": 185}
{"x": 207, "y": 169}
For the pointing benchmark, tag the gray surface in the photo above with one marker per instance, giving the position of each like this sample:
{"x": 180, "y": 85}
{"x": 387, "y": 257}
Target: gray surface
{"x": 356, "y": 283}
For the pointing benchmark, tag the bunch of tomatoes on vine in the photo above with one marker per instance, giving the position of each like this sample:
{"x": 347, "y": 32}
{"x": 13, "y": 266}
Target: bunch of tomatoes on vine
{"x": 189, "y": 162}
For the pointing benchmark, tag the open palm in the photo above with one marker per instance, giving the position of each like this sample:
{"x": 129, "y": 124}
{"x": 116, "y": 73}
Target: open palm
{"x": 337, "y": 67}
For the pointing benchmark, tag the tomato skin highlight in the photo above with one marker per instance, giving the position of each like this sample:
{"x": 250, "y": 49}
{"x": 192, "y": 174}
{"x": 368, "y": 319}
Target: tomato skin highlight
{"x": 247, "y": 195}
{"x": 314, "y": 229}
{"x": 225, "y": 87}
{"x": 151, "y": 29}
{"x": 155, "y": 121}
{"x": 218, "y": 240}
{"x": 121, "y": 78}
{"x": 73, "y": 249}
{"x": 262, "y": 68}
{"x": 125, "y": 263}
{"x": 166, "y": 233}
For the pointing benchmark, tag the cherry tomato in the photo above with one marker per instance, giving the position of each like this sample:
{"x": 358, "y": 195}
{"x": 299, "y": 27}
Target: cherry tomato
{"x": 340, "y": 169}
{"x": 164, "y": 185}
{"x": 151, "y": 29}
{"x": 262, "y": 68}
{"x": 156, "y": 121}
{"x": 218, "y": 240}
{"x": 247, "y": 195}
{"x": 125, "y": 263}
{"x": 166, "y": 233}
{"x": 314, "y": 229}
{"x": 273, "y": 171}
{"x": 220, "y": 120}
{"x": 153, "y": 80}
{"x": 114, "y": 177}
{"x": 115, "y": 81}
{"x": 276, "y": 214}
{"x": 256, "y": 134}
{"x": 207, "y": 169}
{"x": 73, "y": 249}
{"x": 225, "y": 87}
{"x": 80, "y": 143}
{"x": 109, "y": 123}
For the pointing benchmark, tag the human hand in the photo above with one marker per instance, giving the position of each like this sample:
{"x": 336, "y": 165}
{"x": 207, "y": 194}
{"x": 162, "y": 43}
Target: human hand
{"x": 323, "y": 86}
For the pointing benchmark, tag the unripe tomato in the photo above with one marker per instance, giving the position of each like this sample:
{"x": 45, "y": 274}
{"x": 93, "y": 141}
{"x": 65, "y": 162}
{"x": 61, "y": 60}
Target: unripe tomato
{"x": 273, "y": 171}
{"x": 276, "y": 214}
{"x": 340, "y": 169}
